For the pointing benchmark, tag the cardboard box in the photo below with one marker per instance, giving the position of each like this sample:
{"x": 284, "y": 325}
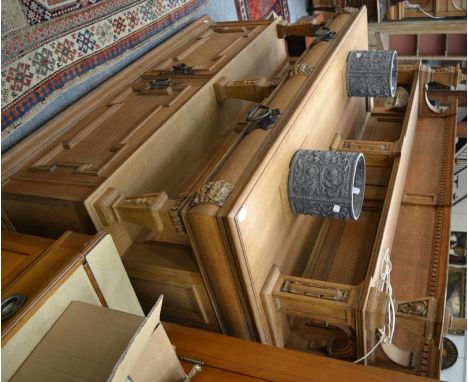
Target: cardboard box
{"x": 93, "y": 343}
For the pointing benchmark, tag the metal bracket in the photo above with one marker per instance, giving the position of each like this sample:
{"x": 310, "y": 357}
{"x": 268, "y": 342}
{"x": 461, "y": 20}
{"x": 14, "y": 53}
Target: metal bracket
{"x": 161, "y": 83}
{"x": 183, "y": 69}
{"x": 261, "y": 117}
{"x": 197, "y": 367}
{"x": 323, "y": 34}
{"x": 12, "y": 304}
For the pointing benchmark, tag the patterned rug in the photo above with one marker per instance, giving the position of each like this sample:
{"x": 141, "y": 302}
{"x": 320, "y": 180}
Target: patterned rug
{"x": 65, "y": 42}
{"x": 261, "y": 9}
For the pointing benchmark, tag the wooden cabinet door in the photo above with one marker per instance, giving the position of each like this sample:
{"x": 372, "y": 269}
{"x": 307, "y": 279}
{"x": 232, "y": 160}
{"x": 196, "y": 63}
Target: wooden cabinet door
{"x": 170, "y": 270}
{"x": 18, "y": 252}
{"x": 211, "y": 50}
{"x": 99, "y": 140}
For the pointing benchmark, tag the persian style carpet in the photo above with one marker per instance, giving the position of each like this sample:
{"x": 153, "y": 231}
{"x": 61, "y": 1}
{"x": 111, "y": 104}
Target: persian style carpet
{"x": 59, "y": 44}
{"x": 261, "y": 9}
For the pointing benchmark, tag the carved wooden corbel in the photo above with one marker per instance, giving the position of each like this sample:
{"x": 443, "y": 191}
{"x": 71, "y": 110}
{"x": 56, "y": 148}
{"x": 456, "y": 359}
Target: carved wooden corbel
{"x": 155, "y": 210}
{"x": 420, "y": 317}
{"x": 417, "y": 315}
{"x": 376, "y": 153}
{"x": 255, "y": 90}
{"x": 284, "y": 295}
{"x": 448, "y": 76}
{"x": 301, "y": 28}
{"x": 405, "y": 74}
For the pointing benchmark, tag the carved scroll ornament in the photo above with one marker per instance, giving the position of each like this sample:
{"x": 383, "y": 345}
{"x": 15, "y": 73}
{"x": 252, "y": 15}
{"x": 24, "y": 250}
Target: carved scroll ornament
{"x": 301, "y": 69}
{"x": 213, "y": 192}
{"x": 415, "y": 308}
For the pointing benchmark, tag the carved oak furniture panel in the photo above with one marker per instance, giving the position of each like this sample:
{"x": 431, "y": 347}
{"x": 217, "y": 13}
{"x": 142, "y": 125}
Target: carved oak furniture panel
{"x": 255, "y": 228}
{"x": 126, "y": 157}
{"x": 339, "y": 305}
{"x": 191, "y": 205}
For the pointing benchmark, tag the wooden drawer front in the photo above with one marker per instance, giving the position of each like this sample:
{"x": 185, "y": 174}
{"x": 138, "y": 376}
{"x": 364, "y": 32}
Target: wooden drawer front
{"x": 97, "y": 144}
{"x": 46, "y": 264}
{"x": 156, "y": 268}
{"x": 185, "y": 301}
{"x": 18, "y": 252}
{"x": 106, "y": 136}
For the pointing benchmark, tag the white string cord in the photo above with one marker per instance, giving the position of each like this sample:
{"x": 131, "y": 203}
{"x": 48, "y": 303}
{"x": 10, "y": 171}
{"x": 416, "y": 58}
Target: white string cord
{"x": 407, "y": 4}
{"x": 386, "y": 333}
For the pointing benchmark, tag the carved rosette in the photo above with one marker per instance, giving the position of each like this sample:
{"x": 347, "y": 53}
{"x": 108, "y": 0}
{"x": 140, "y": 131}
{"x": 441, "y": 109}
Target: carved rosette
{"x": 327, "y": 183}
{"x": 371, "y": 73}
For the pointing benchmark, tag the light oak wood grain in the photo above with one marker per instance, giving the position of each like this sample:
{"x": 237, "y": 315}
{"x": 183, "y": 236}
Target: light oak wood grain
{"x": 229, "y": 354}
{"x": 136, "y": 140}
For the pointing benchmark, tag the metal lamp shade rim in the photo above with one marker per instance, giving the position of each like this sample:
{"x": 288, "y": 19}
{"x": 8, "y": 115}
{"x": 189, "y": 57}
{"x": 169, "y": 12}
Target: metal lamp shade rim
{"x": 357, "y": 200}
{"x": 393, "y": 74}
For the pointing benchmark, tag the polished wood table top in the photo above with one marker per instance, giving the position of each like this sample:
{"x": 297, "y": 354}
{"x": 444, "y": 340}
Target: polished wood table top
{"x": 232, "y": 359}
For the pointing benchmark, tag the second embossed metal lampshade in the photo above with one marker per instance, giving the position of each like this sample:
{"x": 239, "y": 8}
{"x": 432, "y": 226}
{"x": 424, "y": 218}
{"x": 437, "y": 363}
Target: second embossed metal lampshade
{"x": 371, "y": 73}
{"x": 327, "y": 183}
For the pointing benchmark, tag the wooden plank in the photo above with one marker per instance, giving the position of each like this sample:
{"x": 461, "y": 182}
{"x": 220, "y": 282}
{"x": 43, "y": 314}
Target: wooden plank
{"x": 271, "y": 363}
{"x": 434, "y": 145}
{"x": 47, "y": 135}
{"x": 260, "y": 224}
{"x": 419, "y": 26}
{"x": 444, "y": 96}
{"x": 387, "y": 225}
{"x": 179, "y": 161}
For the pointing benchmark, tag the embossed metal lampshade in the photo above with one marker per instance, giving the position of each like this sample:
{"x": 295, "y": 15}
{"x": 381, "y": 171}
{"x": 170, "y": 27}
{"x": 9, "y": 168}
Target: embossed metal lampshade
{"x": 371, "y": 73}
{"x": 327, "y": 183}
